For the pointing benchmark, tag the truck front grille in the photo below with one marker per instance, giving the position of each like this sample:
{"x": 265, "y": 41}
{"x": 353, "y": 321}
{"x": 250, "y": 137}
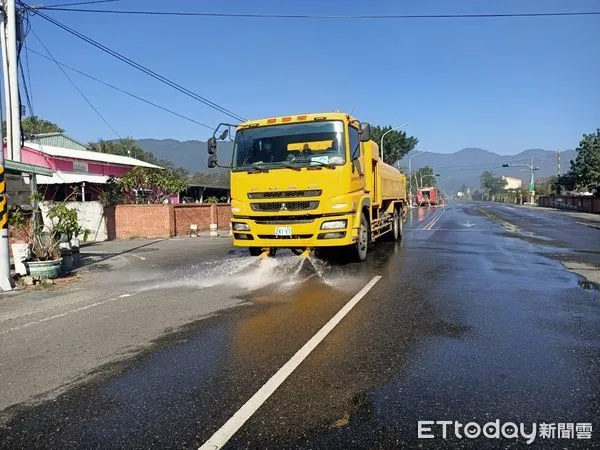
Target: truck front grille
{"x": 285, "y": 220}
{"x": 285, "y": 206}
{"x": 284, "y": 194}
{"x": 293, "y": 236}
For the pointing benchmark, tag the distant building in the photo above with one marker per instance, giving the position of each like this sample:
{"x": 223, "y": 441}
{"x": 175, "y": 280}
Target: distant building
{"x": 59, "y": 166}
{"x": 201, "y": 193}
{"x": 512, "y": 182}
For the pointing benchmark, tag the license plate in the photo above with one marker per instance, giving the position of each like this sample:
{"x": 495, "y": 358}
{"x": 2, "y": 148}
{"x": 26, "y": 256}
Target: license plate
{"x": 283, "y": 231}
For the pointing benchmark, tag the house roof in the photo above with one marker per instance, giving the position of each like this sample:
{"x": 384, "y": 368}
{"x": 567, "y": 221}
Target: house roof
{"x": 58, "y": 140}
{"x": 89, "y": 155}
{"x": 209, "y": 186}
{"x": 71, "y": 178}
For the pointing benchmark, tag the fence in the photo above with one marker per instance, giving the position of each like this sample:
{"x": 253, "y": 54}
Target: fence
{"x": 163, "y": 221}
{"x": 587, "y": 204}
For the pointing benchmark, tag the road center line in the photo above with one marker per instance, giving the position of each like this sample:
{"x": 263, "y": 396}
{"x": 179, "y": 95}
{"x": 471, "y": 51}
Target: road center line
{"x": 223, "y": 434}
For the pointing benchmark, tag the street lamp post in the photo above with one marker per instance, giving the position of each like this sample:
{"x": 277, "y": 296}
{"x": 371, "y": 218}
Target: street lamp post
{"x": 532, "y": 168}
{"x": 418, "y": 152}
{"x": 428, "y": 175}
{"x": 391, "y": 129}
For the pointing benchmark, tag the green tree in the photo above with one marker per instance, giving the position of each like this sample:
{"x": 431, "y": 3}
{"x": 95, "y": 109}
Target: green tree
{"x": 544, "y": 186}
{"x": 396, "y": 143}
{"x": 565, "y": 182}
{"x": 216, "y": 177}
{"x": 144, "y": 185}
{"x": 33, "y": 125}
{"x": 424, "y": 175}
{"x": 585, "y": 169}
{"x": 491, "y": 185}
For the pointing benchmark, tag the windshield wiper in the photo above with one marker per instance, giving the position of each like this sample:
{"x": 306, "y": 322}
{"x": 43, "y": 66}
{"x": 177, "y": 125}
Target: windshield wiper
{"x": 258, "y": 168}
{"x": 320, "y": 163}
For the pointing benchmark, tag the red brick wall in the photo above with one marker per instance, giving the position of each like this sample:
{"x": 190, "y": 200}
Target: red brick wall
{"x": 199, "y": 214}
{"x": 139, "y": 221}
{"x": 156, "y": 221}
{"x": 224, "y": 216}
{"x": 580, "y": 203}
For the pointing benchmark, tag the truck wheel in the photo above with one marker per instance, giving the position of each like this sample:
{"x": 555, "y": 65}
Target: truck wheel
{"x": 394, "y": 235}
{"x": 362, "y": 246}
{"x": 400, "y": 227}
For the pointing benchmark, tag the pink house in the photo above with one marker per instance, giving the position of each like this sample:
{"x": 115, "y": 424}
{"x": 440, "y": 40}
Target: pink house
{"x": 74, "y": 167}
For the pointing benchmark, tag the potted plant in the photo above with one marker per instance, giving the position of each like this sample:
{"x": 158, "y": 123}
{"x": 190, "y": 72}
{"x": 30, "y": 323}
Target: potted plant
{"x": 66, "y": 230}
{"x": 19, "y": 224}
{"x": 44, "y": 259}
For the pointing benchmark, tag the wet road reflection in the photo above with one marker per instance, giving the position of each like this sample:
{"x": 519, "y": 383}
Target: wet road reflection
{"x": 463, "y": 325}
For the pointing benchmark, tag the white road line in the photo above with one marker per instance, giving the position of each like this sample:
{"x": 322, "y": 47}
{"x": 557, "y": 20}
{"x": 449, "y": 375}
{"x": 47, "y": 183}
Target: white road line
{"x": 58, "y": 316}
{"x": 223, "y": 434}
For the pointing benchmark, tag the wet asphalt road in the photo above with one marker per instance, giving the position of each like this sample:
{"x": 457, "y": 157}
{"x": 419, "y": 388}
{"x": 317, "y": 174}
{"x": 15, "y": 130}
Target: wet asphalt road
{"x": 475, "y": 319}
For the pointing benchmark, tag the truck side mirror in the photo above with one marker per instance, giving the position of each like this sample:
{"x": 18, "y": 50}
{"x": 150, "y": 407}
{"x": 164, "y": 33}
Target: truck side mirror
{"x": 212, "y": 152}
{"x": 212, "y": 146}
{"x": 365, "y": 132}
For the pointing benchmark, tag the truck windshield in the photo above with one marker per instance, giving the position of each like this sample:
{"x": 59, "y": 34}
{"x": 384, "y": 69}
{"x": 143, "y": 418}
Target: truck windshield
{"x": 299, "y": 144}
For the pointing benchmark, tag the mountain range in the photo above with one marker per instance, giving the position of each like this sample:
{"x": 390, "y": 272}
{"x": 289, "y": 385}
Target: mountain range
{"x": 191, "y": 155}
{"x": 466, "y": 165}
{"x": 455, "y": 169}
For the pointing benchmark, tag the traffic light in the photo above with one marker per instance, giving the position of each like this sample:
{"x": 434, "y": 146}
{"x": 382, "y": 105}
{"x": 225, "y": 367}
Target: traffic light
{"x": 505, "y": 165}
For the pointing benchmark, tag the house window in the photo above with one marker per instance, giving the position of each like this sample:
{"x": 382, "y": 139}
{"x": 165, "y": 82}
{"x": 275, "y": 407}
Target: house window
{"x": 79, "y": 166}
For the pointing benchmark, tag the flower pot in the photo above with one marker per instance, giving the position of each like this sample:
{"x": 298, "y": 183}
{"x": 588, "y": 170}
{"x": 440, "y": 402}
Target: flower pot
{"x": 20, "y": 253}
{"x": 67, "y": 260}
{"x": 75, "y": 250}
{"x": 44, "y": 269}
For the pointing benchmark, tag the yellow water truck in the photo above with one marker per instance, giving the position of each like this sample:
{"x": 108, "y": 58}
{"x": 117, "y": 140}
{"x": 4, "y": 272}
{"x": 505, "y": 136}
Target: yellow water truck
{"x": 310, "y": 182}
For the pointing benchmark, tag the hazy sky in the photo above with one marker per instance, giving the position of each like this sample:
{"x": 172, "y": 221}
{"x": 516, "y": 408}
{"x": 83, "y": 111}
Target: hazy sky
{"x": 501, "y": 84}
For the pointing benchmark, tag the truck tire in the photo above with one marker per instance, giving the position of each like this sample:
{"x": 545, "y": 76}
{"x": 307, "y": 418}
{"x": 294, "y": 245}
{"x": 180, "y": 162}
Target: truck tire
{"x": 362, "y": 246}
{"x": 400, "y": 227}
{"x": 395, "y": 234}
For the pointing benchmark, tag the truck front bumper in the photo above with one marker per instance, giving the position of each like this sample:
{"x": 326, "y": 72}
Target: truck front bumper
{"x": 307, "y": 233}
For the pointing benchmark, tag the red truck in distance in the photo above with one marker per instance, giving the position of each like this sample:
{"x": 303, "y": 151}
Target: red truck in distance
{"x": 429, "y": 196}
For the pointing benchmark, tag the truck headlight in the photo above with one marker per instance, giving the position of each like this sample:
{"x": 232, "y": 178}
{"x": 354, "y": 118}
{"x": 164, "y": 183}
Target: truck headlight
{"x": 334, "y": 225}
{"x": 238, "y": 226}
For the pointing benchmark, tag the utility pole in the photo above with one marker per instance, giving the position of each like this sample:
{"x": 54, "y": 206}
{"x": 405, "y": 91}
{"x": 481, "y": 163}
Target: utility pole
{"x": 531, "y": 183}
{"x": 558, "y": 163}
{"x": 410, "y": 196}
{"x": 8, "y": 28}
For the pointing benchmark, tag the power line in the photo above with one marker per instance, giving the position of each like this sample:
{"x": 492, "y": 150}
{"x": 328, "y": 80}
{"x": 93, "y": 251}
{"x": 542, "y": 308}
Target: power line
{"x": 91, "y": 2}
{"x": 76, "y": 87}
{"x": 91, "y": 77}
{"x": 323, "y": 17}
{"x": 142, "y": 68}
